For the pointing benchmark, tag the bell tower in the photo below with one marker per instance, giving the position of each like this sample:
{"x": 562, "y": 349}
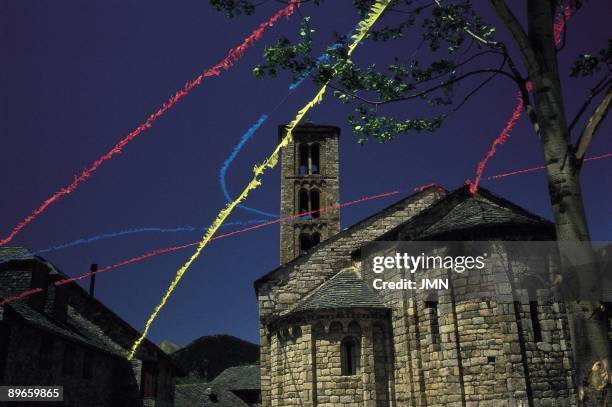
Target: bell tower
{"x": 309, "y": 182}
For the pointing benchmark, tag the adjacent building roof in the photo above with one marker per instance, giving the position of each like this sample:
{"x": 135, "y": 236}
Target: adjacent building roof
{"x": 12, "y": 253}
{"x": 222, "y": 391}
{"x": 344, "y": 290}
{"x": 15, "y": 260}
{"x": 17, "y": 254}
{"x": 239, "y": 378}
{"x": 74, "y": 329}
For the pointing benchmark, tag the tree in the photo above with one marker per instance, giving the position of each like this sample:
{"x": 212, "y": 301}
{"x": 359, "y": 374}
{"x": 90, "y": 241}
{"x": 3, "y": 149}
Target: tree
{"x": 460, "y": 45}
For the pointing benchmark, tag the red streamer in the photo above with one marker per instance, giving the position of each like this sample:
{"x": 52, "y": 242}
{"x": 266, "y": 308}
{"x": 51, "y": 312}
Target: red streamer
{"x": 234, "y": 55}
{"x": 429, "y": 186}
{"x": 184, "y": 246}
{"x": 250, "y": 228}
{"x": 560, "y": 23}
{"x": 21, "y": 296}
{"x": 542, "y": 167}
{"x": 558, "y": 28}
{"x": 503, "y": 136}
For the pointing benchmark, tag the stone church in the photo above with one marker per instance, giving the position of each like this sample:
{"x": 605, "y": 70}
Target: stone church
{"x": 329, "y": 339}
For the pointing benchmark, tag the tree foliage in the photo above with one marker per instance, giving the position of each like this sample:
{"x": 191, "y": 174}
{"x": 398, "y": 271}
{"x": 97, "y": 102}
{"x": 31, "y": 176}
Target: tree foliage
{"x": 456, "y": 37}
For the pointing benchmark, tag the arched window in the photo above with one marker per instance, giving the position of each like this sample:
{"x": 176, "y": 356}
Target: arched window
{"x": 304, "y": 242}
{"x": 335, "y": 328}
{"x": 303, "y": 201}
{"x": 315, "y": 202}
{"x": 349, "y": 356}
{"x": 318, "y": 330}
{"x": 354, "y": 329}
{"x": 314, "y": 159}
{"x": 303, "y": 159}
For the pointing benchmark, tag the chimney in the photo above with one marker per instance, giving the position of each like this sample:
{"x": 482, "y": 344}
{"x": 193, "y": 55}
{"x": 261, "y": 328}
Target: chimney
{"x": 92, "y": 280}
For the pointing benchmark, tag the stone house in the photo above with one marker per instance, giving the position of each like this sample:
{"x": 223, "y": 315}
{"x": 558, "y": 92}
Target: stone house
{"x": 63, "y": 336}
{"x": 328, "y": 339}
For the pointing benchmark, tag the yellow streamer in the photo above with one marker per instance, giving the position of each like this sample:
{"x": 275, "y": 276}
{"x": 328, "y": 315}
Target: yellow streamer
{"x": 362, "y": 29}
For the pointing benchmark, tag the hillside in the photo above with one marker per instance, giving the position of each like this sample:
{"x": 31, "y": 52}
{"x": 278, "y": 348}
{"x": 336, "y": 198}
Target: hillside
{"x": 169, "y": 347}
{"x": 206, "y": 357}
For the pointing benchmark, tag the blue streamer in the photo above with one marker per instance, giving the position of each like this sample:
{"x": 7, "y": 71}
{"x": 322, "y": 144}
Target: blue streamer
{"x": 251, "y": 131}
{"x": 245, "y": 137}
{"x": 111, "y": 235}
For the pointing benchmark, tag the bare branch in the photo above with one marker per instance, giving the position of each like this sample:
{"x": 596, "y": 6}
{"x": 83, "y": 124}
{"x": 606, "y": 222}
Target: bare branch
{"x": 425, "y": 91}
{"x": 474, "y": 91}
{"x": 517, "y": 31}
{"x": 480, "y": 86}
{"x": 462, "y": 63}
{"x": 596, "y": 90}
{"x": 600, "y": 113}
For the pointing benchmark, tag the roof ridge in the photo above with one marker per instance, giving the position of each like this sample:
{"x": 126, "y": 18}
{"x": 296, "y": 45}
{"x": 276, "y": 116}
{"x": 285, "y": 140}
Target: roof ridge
{"x": 317, "y": 289}
{"x": 348, "y": 230}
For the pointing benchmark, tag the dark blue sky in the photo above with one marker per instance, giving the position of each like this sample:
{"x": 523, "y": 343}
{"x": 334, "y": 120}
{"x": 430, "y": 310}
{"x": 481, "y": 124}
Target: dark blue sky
{"x": 76, "y": 76}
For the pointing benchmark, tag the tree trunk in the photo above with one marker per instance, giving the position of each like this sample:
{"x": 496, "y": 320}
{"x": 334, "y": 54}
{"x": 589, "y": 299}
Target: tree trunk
{"x": 587, "y": 326}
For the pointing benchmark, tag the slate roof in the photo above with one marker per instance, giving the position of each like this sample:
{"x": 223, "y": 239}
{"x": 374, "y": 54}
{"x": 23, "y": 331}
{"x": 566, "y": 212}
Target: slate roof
{"x": 344, "y": 290}
{"x": 221, "y": 388}
{"x": 192, "y": 394}
{"x": 460, "y": 211}
{"x": 472, "y": 213}
{"x": 239, "y": 378}
{"x": 77, "y": 328}
{"x": 18, "y": 254}
{"x": 351, "y": 230}
{"x": 11, "y": 253}
{"x": 73, "y": 329}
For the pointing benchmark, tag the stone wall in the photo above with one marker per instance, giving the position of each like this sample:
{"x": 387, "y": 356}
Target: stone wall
{"x": 327, "y": 181}
{"x": 463, "y": 346}
{"x": 306, "y": 361}
{"x": 284, "y": 287}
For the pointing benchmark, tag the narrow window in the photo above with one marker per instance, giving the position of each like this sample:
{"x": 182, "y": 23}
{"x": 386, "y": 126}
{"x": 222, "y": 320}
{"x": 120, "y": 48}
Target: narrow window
{"x": 433, "y": 321}
{"x": 45, "y": 352}
{"x": 303, "y": 201}
{"x": 303, "y": 159}
{"x": 349, "y": 356}
{"x": 315, "y": 239}
{"x": 315, "y": 204}
{"x": 533, "y": 284}
{"x": 314, "y": 159}
{"x": 68, "y": 362}
{"x": 305, "y": 242}
{"x": 535, "y": 321}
